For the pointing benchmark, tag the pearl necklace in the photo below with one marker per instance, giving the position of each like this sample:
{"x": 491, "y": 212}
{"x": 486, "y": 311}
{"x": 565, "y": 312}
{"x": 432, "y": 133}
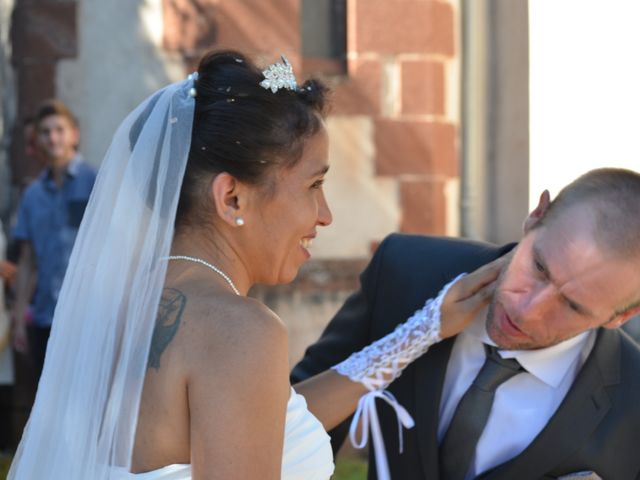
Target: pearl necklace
{"x": 206, "y": 264}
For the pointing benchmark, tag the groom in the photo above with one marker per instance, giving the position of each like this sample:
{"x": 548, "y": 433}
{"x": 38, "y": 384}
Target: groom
{"x": 569, "y": 403}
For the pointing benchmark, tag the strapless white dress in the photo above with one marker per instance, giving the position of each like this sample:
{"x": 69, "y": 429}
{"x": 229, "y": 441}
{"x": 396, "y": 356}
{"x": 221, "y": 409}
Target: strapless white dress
{"x": 306, "y": 455}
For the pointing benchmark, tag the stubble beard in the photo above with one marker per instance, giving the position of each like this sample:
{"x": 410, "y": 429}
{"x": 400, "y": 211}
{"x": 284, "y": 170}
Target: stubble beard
{"x": 496, "y": 334}
{"x": 506, "y": 342}
{"x": 493, "y": 331}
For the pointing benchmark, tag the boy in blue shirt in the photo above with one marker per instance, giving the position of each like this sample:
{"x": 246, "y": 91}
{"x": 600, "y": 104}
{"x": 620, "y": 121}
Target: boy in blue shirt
{"x": 49, "y": 215}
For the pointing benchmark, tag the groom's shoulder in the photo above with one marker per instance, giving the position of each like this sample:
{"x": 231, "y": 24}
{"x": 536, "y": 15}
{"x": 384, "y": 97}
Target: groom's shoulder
{"x": 418, "y": 248}
{"x": 404, "y": 240}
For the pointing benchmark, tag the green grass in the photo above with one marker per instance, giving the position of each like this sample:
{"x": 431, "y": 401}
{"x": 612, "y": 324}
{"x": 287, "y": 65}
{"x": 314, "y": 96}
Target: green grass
{"x": 350, "y": 469}
{"x": 5, "y": 461}
{"x": 346, "y": 468}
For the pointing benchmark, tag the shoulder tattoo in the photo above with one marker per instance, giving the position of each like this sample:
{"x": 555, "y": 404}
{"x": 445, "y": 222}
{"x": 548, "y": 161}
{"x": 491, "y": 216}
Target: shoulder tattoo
{"x": 169, "y": 317}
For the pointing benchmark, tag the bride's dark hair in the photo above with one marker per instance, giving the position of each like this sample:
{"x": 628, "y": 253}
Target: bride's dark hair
{"x": 242, "y": 128}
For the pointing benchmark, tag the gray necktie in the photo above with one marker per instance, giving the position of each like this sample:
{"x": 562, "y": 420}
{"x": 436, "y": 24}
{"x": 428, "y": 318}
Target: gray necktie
{"x": 459, "y": 444}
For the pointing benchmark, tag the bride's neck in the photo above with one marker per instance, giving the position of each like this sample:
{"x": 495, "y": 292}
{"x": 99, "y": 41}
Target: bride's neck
{"x": 213, "y": 248}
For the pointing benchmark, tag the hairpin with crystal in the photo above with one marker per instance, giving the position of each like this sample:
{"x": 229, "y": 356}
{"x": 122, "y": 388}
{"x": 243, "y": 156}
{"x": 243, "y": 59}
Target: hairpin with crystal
{"x": 279, "y": 75}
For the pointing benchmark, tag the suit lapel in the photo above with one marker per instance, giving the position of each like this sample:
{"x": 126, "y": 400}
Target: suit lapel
{"x": 585, "y": 405}
{"x": 430, "y": 374}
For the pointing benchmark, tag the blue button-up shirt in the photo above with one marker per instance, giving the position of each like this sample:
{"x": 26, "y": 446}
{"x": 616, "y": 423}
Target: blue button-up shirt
{"x": 49, "y": 217}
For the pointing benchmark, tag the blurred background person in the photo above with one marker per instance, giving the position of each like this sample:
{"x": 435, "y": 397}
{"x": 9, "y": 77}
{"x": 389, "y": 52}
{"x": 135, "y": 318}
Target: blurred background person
{"x": 48, "y": 218}
{"x": 7, "y": 275}
{"x": 31, "y": 149}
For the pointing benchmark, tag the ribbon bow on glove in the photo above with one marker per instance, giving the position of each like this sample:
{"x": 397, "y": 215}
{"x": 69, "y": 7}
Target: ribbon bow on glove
{"x": 367, "y": 410}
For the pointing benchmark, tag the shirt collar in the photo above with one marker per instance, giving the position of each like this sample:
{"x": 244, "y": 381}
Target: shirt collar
{"x": 74, "y": 165}
{"x": 550, "y": 365}
{"x": 71, "y": 170}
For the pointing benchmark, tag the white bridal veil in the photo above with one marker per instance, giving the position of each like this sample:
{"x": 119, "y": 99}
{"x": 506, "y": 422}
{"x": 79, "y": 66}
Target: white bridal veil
{"x": 84, "y": 418}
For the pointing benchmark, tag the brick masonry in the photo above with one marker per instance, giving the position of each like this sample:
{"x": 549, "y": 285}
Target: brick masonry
{"x": 425, "y": 207}
{"x": 43, "y": 32}
{"x": 411, "y": 43}
{"x": 403, "y": 26}
{"x": 415, "y": 98}
{"x": 360, "y": 92}
{"x": 397, "y": 52}
{"x": 258, "y": 28}
{"x": 415, "y": 146}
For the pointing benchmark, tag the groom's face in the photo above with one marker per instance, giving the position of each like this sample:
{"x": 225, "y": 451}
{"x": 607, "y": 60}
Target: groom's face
{"x": 559, "y": 283}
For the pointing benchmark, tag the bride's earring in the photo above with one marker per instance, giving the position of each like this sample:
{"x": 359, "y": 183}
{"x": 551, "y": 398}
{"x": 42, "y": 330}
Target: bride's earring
{"x": 239, "y": 221}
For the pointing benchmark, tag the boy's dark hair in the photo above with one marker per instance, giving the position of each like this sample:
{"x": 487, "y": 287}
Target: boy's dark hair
{"x": 54, "y": 107}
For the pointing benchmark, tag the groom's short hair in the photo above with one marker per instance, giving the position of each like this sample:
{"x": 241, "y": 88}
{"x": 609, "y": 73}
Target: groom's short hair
{"x": 613, "y": 194}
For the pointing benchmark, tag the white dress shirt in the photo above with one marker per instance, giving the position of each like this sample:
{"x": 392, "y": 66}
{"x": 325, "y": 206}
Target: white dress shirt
{"x": 523, "y": 404}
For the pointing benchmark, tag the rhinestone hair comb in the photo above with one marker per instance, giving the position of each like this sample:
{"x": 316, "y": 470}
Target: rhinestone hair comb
{"x": 279, "y": 75}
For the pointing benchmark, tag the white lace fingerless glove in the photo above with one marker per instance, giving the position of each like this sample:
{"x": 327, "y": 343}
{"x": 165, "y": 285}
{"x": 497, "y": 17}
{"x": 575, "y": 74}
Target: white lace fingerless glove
{"x": 379, "y": 364}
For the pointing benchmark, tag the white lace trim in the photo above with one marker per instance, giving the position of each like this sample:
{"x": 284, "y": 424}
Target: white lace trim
{"x": 380, "y": 363}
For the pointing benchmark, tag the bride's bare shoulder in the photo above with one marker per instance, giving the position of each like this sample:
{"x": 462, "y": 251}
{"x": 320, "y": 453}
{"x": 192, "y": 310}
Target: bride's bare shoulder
{"x": 223, "y": 325}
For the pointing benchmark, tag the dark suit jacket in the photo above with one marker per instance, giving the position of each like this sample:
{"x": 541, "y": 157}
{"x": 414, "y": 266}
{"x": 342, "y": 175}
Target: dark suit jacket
{"x": 596, "y": 428}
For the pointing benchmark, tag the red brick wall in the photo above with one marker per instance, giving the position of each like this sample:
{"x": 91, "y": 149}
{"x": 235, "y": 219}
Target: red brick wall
{"x": 262, "y": 29}
{"x": 414, "y": 141}
{"x": 43, "y": 32}
{"x": 396, "y": 50}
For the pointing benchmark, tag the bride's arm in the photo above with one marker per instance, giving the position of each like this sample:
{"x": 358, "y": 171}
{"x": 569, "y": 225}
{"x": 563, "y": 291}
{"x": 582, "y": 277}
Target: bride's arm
{"x": 333, "y": 396}
{"x": 238, "y": 392}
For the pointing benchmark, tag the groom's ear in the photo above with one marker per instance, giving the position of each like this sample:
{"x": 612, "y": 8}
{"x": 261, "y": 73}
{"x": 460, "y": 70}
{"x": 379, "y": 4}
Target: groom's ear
{"x": 538, "y": 213}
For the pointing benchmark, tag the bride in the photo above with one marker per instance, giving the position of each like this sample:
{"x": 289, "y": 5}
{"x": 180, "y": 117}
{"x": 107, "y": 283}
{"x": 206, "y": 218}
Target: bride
{"x": 159, "y": 366}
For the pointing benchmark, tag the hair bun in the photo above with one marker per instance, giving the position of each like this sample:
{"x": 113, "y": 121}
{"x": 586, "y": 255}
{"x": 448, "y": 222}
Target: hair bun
{"x": 219, "y": 58}
{"x": 313, "y": 93}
